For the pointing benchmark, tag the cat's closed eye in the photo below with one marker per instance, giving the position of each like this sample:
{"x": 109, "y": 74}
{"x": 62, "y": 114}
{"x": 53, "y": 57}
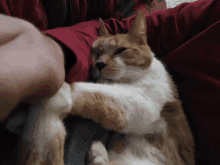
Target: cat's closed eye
{"x": 119, "y": 51}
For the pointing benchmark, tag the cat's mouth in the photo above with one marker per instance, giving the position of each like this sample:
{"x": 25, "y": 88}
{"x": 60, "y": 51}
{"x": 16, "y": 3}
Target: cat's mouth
{"x": 97, "y": 76}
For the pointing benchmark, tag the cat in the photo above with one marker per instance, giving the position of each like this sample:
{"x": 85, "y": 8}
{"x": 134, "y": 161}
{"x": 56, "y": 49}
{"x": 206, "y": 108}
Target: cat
{"x": 134, "y": 95}
{"x": 136, "y": 92}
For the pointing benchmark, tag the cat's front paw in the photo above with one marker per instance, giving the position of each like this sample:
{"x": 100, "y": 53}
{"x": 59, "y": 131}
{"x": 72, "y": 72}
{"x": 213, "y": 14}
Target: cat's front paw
{"x": 98, "y": 154}
{"x": 60, "y": 103}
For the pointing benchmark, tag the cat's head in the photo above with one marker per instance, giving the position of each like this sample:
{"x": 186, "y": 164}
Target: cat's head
{"x": 122, "y": 57}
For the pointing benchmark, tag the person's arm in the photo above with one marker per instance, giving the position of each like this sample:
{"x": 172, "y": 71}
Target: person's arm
{"x": 31, "y": 64}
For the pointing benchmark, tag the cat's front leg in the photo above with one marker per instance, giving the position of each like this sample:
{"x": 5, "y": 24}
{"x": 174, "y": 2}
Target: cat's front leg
{"x": 47, "y": 142}
{"x": 89, "y": 101}
{"x": 117, "y": 108}
{"x": 48, "y": 133}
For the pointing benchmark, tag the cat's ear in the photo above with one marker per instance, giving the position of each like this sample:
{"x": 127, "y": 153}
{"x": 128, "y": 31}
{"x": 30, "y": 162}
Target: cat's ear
{"x": 103, "y": 30}
{"x": 139, "y": 28}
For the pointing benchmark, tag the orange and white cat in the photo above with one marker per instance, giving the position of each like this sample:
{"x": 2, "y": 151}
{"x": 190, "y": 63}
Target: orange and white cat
{"x": 140, "y": 100}
{"x": 135, "y": 96}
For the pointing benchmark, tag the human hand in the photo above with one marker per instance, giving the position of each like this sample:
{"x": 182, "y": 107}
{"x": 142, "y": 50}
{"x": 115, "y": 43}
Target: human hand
{"x": 31, "y": 64}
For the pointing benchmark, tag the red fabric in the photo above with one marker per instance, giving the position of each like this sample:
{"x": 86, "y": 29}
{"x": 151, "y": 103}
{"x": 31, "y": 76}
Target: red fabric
{"x": 79, "y": 39}
{"x": 188, "y": 39}
{"x": 80, "y": 10}
{"x": 30, "y": 10}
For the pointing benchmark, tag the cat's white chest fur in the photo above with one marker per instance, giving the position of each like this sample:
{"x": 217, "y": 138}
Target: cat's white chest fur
{"x": 153, "y": 93}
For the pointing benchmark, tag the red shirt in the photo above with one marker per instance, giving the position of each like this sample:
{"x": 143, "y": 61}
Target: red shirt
{"x": 187, "y": 38}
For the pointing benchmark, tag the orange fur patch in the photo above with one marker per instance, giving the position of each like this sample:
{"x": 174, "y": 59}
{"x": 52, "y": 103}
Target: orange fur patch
{"x": 179, "y": 130}
{"x": 177, "y": 144}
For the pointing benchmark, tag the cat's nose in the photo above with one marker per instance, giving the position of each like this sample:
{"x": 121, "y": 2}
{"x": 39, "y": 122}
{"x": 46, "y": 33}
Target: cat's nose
{"x": 100, "y": 65}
